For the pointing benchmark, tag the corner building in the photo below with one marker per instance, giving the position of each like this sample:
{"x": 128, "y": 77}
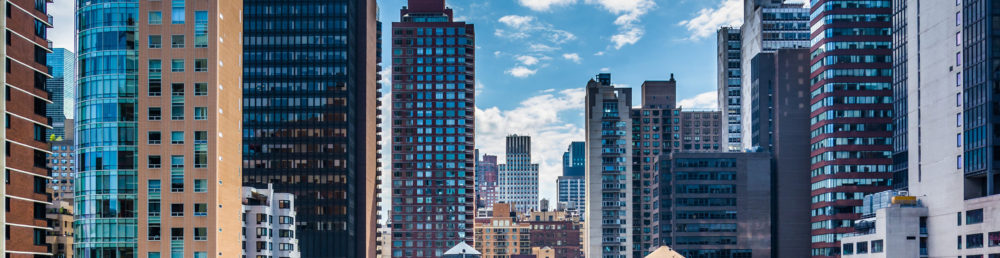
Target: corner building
{"x": 310, "y": 108}
{"x": 851, "y": 114}
{"x": 433, "y": 130}
{"x": 26, "y": 132}
{"x": 157, "y": 105}
{"x": 608, "y": 176}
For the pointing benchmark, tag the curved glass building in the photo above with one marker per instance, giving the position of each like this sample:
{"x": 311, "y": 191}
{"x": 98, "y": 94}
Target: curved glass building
{"x": 105, "y": 220}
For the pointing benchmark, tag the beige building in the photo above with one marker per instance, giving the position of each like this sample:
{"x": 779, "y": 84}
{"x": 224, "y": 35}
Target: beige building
{"x": 60, "y": 239}
{"x": 501, "y": 235}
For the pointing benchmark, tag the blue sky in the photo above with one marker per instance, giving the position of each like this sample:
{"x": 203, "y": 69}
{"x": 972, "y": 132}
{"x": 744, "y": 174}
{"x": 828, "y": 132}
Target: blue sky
{"x": 535, "y": 56}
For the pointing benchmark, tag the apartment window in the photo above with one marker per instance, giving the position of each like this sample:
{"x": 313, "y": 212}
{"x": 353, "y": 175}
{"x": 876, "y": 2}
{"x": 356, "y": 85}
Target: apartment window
{"x": 284, "y": 204}
{"x": 41, "y": 56}
{"x": 39, "y": 210}
{"x": 200, "y": 254}
{"x": 177, "y": 11}
{"x": 958, "y": 140}
{"x": 154, "y": 208}
{"x": 41, "y": 29}
{"x": 154, "y": 254}
{"x": 958, "y": 99}
{"x": 39, "y": 133}
{"x": 958, "y": 119}
{"x": 958, "y": 38}
{"x": 201, "y": 89}
{"x": 177, "y": 137}
{"x": 154, "y": 137}
{"x": 200, "y": 113}
{"x": 155, "y": 41}
{"x": 177, "y": 161}
{"x": 154, "y": 186}
{"x": 177, "y": 41}
{"x": 959, "y": 242}
{"x": 958, "y": 59}
{"x": 177, "y": 89}
{"x": 200, "y": 209}
{"x": 154, "y": 161}
{"x": 959, "y": 217}
{"x": 176, "y": 233}
{"x": 974, "y": 241}
{"x": 200, "y": 185}
{"x": 974, "y": 217}
{"x": 848, "y": 249}
{"x": 154, "y": 234}
{"x": 862, "y": 247}
{"x": 200, "y": 233}
{"x": 40, "y": 183}
{"x": 994, "y": 239}
{"x": 40, "y": 106}
{"x": 154, "y": 113}
{"x": 201, "y": 29}
{"x": 40, "y": 159}
{"x": 958, "y": 79}
{"x": 155, "y": 18}
{"x": 201, "y": 65}
{"x": 958, "y": 15}
{"x": 877, "y": 246}
{"x": 38, "y": 236}
{"x": 958, "y": 162}
{"x": 177, "y": 65}
{"x": 176, "y": 209}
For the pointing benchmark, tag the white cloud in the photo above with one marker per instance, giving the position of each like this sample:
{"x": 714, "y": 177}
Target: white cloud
{"x": 544, "y": 118}
{"x": 521, "y": 27}
{"x": 605, "y": 69}
{"x": 628, "y": 37}
{"x": 527, "y": 60}
{"x": 629, "y": 14}
{"x": 707, "y": 100}
{"x": 516, "y": 21}
{"x": 573, "y": 57}
{"x": 544, "y": 5}
{"x": 62, "y": 34}
{"x": 538, "y": 47}
{"x": 708, "y": 20}
{"x": 521, "y": 72}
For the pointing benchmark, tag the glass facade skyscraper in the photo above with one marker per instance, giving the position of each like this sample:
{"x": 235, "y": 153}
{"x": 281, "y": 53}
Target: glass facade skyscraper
{"x": 851, "y": 114}
{"x": 105, "y": 223}
{"x": 310, "y": 97}
{"x": 433, "y": 130}
{"x": 63, "y": 63}
{"x": 979, "y": 79}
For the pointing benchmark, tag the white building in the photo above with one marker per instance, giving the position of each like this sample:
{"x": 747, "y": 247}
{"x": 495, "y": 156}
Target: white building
{"x": 269, "y": 224}
{"x": 518, "y": 178}
{"x": 572, "y": 192}
{"x": 608, "y": 225}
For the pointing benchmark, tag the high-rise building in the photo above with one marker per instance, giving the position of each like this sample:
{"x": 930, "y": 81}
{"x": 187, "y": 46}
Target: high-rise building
{"x": 608, "y": 177}
{"x": 62, "y": 164}
{"x": 780, "y": 124}
{"x": 700, "y": 131}
{"x": 556, "y": 230}
{"x": 129, "y": 203}
{"x": 311, "y": 115}
{"x": 656, "y": 130}
{"x": 503, "y": 234}
{"x": 486, "y": 181}
{"x": 851, "y": 114}
{"x": 575, "y": 159}
{"x": 518, "y": 177}
{"x": 269, "y": 224}
{"x": 715, "y": 204}
{"x": 63, "y": 64}
{"x": 433, "y": 130}
{"x": 27, "y": 127}
{"x": 982, "y": 175}
{"x": 768, "y": 25}
{"x": 60, "y": 238}
{"x": 730, "y": 97}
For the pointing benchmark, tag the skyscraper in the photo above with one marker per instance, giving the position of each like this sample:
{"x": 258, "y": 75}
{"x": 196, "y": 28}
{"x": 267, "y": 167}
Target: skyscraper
{"x": 310, "y": 102}
{"x": 570, "y": 185}
{"x": 63, "y": 63}
{"x": 123, "y": 207}
{"x": 433, "y": 127}
{"x": 574, "y": 159}
{"x": 608, "y": 219}
{"x": 656, "y": 131}
{"x": 25, "y": 135}
{"x": 486, "y": 181}
{"x": 768, "y": 25}
{"x": 730, "y": 96}
{"x": 518, "y": 177}
{"x": 851, "y": 118}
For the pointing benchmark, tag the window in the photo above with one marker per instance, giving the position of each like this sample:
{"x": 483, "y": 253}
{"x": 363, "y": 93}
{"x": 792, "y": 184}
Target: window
{"x": 177, "y": 109}
{"x": 177, "y": 41}
{"x": 176, "y": 209}
{"x": 200, "y": 234}
{"x": 154, "y": 137}
{"x": 974, "y": 241}
{"x": 155, "y": 41}
{"x": 177, "y": 89}
{"x": 877, "y": 246}
{"x": 40, "y": 29}
{"x": 39, "y": 236}
{"x": 177, "y": 65}
{"x": 284, "y": 204}
{"x": 39, "y": 210}
{"x": 959, "y": 242}
{"x": 958, "y": 59}
{"x": 201, "y": 65}
{"x": 154, "y": 234}
{"x": 200, "y": 29}
{"x": 155, "y": 18}
{"x": 40, "y": 106}
{"x": 200, "y": 209}
{"x": 994, "y": 239}
{"x": 958, "y": 161}
{"x": 154, "y": 161}
{"x": 176, "y": 233}
{"x": 154, "y": 114}
{"x": 177, "y": 137}
{"x": 177, "y": 161}
{"x": 862, "y": 247}
{"x": 40, "y": 159}
{"x": 40, "y": 184}
{"x": 958, "y": 119}
{"x": 958, "y": 38}
{"x": 200, "y": 113}
{"x": 177, "y": 12}
{"x": 39, "y": 133}
{"x": 155, "y": 78}
{"x": 201, "y": 89}
{"x": 199, "y": 254}
{"x": 154, "y": 208}
{"x": 200, "y": 185}
{"x": 959, "y": 217}
{"x": 974, "y": 217}
{"x": 958, "y": 99}
{"x": 154, "y": 186}
{"x": 154, "y": 254}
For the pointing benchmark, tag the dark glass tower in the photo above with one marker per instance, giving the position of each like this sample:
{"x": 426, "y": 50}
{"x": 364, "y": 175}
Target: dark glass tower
{"x": 980, "y": 79}
{"x": 310, "y": 97}
{"x": 851, "y": 114}
{"x": 574, "y": 159}
{"x": 433, "y": 130}
{"x": 63, "y": 78}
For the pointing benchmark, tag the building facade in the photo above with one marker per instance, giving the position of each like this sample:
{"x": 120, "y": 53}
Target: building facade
{"x": 269, "y": 224}
{"x": 768, "y": 25}
{"x": 779, "y": 124}
{"x": 715, "y": 204}
{"x": 60, "y": 239}
{"x": 571, "y": 191}
{"x": 554, "y": 234}
{"x": 486, "y": 181}
{"x": 656, "y": 130}
{"x": 608, "y": 177}
{"x": 851, "y": 114}
{"x": 62, "y": 164}
{"x": 518, "y": 177}
{"x": 433, "y": 130}
{"x": 575, "y": 159}
{"x": 700, "y": 131}
{"x": 311, "y": 116}
{"x": 502, "y": 234}
{"x": 63, "y": 65}
{"x": 730, "y": 97}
